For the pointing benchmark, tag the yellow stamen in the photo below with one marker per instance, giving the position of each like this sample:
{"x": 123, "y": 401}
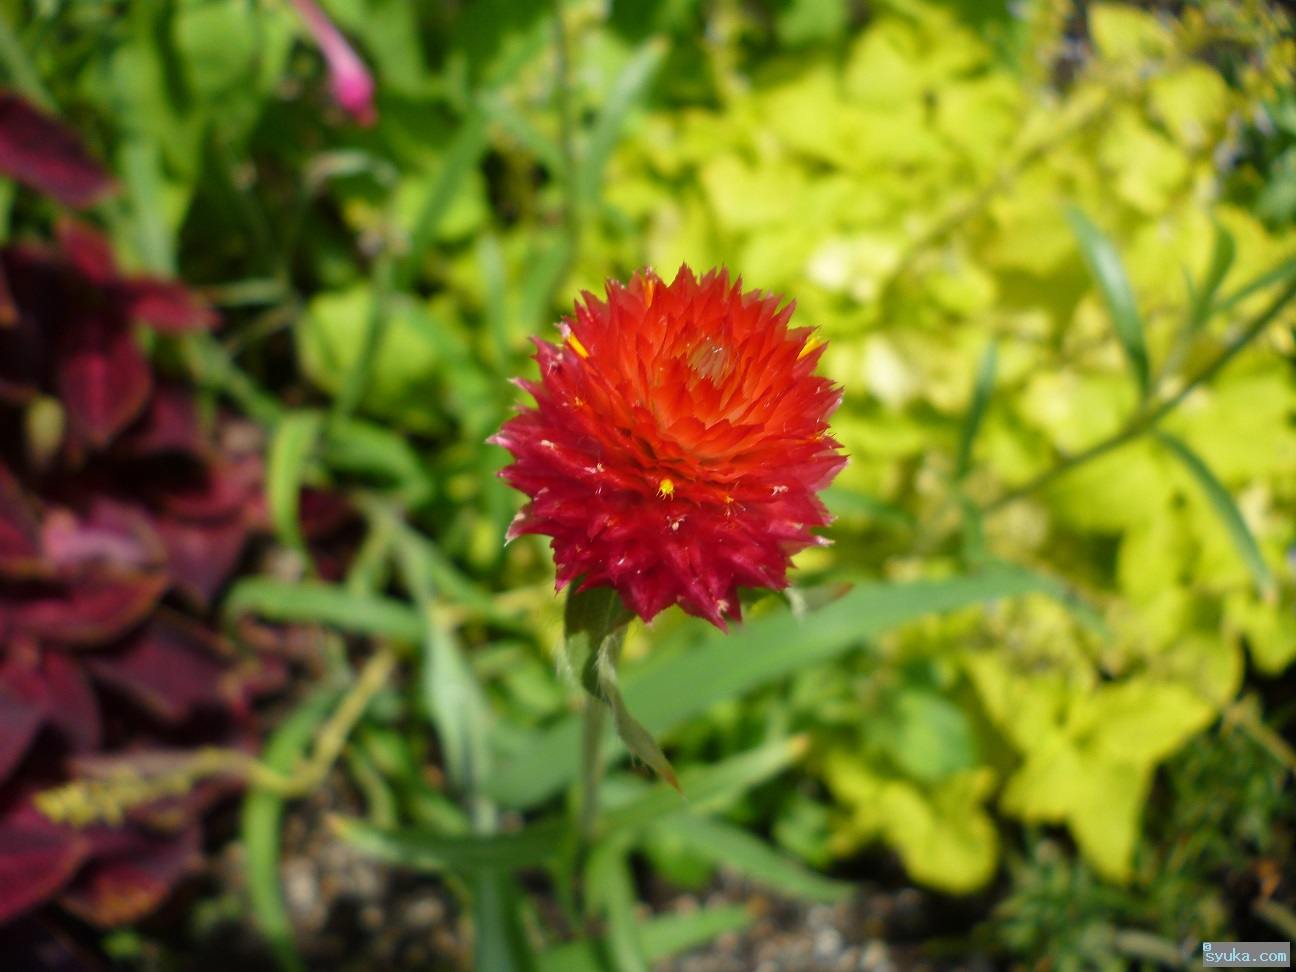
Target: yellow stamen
{"x": 665, "y": 489}
{"x": 577, "y": 346}
{"x": 811, "y": 343}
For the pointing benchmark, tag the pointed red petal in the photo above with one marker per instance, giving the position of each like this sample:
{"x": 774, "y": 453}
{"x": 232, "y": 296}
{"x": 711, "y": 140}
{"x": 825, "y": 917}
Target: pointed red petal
{"x": 45, "y": 154}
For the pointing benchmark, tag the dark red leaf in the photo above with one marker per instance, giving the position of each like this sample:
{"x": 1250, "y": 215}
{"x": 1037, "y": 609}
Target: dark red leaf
{"x": 171, "y": 667}
{"x": 124, "y": 886}
{"x": 8, "y": 308}
{"x": 166, "y": 306}
{"x": 89, "y": 252}
{"x": 101, "y": 374}
{"x": 216, "y": 492}
{"x": 168, "y": 424}
{"x": 95, "y": 608}
{"x": 202, "y": 555}
{"x": 33, "y": 945}
{"x": 37, "y": 859}
{"x": 20, "y": 552}
{"x": 20, "y": 720}
{"x": 45, "y": 154}
{"x": 37, "y": 287}
{"x": 73, "y": 707}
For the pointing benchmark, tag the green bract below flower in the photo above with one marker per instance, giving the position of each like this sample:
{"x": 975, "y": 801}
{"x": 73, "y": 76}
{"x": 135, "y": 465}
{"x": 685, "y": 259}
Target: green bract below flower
{"x": 677, "y": 445}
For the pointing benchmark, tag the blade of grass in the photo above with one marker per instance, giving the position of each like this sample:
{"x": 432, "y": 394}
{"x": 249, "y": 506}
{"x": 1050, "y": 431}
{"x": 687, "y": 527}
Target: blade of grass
{"x": 262, "y": 819}
{"x": 662, "y": 937}
{"x": 501, "y": 943}
{"x": 1109, "y": 273}
{"x": 331, "y": 604}
{"x": 731, "y": 846}
{"x": 630, "y": 89}
{"x": 723, "y": 667}
{"x": 291, "y": 448}
{"x": 1203, "y": 303}
{"x": 434, "y": 852}
{"x": 1227, "y": 511}
{"x": 611, "y": 890}
{"x": 976, "y": 410}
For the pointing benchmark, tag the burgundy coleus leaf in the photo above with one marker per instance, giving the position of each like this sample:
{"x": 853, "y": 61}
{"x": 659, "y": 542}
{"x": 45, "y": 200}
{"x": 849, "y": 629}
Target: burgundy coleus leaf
{"x": 171, "y": 667}
{"x": 20, "y": 549}
{"x": 37, "y": 859}
{"x": 168, "y": 425}
{"x": 73, "y": 708}
{"x": 202, "y": 554}
{"x": 37, "y": 288}
{"x": 101, "y": 374}
{"x": 45, "y": 154}
{"x": 20, "y": 721}
{"x": 135, "y": 874}
{"x": 35, "y": 944}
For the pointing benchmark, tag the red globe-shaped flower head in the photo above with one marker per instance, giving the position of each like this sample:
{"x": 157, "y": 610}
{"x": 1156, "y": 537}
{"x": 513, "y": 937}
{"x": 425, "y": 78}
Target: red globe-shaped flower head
{"x": 678, "y": 441}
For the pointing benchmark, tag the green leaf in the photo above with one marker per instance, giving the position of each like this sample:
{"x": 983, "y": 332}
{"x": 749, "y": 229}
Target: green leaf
{"x": 629, "y": 90}
{"x": 721, "y": 667}
{"x": 732, "y": 846}
{"x": 1204, "y": 296}
{"x": 1282, "y": 273}
{"x": 435, "y": 853}
{"x": 377, "y": 452}
{"x": 976, "y": 410}
{"x": 1109, "y": 273}
{"x": 290, "y": 449}
{"x": 310, "y": 600}
{"x": 1227, "y": 511}
{"x": 501, "y": 943}
{"x": 262, "y": 819}
{"x": 610, "y": 887}
{"x": 662, "y": 937}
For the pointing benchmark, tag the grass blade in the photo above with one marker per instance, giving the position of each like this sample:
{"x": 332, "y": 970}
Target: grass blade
{"x": 262, "y": 819}
{"x": 1203, "y": 303}
{"x": 630, "y": 90}
{"x": 1109, "y": 273}
{"x": 501, "y": 941}
{"x": 436, "y": 853}
{"x": 723, "y": 667}
{"x": 723, "y": 843}
{"x": 611, "y": 889}
{"x": 662, "y": 937}
{"x": 331, "y": 604}
{"x": 294, "y": 440}
{"x": 985, "y": 380}
{"x": 1222, "y": 503}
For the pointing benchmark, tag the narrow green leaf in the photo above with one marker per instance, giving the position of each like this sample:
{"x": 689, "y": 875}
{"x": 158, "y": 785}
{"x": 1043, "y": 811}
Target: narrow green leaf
{"x": 366, "y": 449}
{"x": 1109, "y": 273}
{"x": 721, "y": 667}
{"x": 310, "y": 600}
{"x": 449, "y": 689}
{"x": 357, "y": 379}
{"x": 706, "y": 786}
{"x": 985, "y": 380}
{"x": 1222, "y": 503}
{"x": 1280, "y": 274}
{"x": 541, "y": 281}
{"x": 629, "y": 90}
{"x": 611, "y": 889}
{"x": 724, "y": 843}
{"x": 1203, "y": 297}
{"x": 262, "y": 819}
{"x": 490, "y": 261}
{"x": 294, "y": 441}
{"x": 500, "y": 943}
{"x": 462, "y": 156}
{"x": 662, "y": 937}
{"x": 437, "y": 853}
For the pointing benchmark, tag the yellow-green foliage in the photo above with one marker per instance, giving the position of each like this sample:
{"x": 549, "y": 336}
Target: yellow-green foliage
{"x": 911, "y": 196}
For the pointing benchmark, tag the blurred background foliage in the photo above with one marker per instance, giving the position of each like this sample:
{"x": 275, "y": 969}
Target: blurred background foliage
{"x": 1038, "y": 238}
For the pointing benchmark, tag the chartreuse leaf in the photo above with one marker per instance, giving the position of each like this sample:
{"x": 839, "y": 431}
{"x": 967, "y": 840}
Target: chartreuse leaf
{"x": 985, "y": 380}
{"x": 317, "y": 601}
{"x": 1203, "y": 303}
{"x": 1227, "y": 511}
{"x": 290, "y": 450}
{"x": 1109, "y": 273}
{"x": 721, "y": 667}
{"x": 262, "y": 817}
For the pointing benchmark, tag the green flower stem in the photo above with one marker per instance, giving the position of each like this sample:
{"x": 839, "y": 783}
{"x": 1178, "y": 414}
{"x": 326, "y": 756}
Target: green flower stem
{"x": 1146, "y": 419}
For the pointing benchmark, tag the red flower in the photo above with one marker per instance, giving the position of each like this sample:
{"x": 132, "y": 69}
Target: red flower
{"x": 677, "y": 445}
